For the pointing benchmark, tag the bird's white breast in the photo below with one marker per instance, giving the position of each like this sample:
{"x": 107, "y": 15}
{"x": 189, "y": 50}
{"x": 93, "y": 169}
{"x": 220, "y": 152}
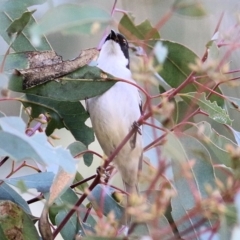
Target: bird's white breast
{"x": 114, "y": 112}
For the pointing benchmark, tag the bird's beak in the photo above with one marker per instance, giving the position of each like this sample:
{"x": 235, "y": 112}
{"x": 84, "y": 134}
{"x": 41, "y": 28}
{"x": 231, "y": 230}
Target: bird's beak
{"x": 113, "y": 36}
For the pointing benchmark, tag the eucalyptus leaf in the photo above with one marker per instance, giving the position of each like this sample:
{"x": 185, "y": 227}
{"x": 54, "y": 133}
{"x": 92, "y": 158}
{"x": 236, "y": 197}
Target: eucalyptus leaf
{"x": 17, "y": 145}
{"x": 182, "y": 149}
{"x": 15, "y": 223}
{"x": 143, "y": 31}
{"x": 40, "y": 181}
{"x": 190, "y": 8}
{"x": 216, "y": 143}
{"x": 178, "y": 211}
{"x": 70, "y": 115}
{"x": 11, "y": 10}
{"x": 19, "y": 24}
{"x": 70, "y": 18}
{"x": 103, "y": 194}
{"x": 175, "y": 69}
{"x": 72, "y": 227}
{"x": 2, "y": 235}
{"x": 215, "y": 112}
{"x": 86, "y": 82}
{"x": 7, "y": 193}
{"x": 176, "y": 66}
{"x": 76, "y": 148}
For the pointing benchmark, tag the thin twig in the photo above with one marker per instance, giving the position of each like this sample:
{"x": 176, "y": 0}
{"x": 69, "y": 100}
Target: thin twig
{"x": 4, "y": 160}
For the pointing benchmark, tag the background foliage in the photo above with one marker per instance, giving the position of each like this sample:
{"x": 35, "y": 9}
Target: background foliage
{"x": 188, "y": 78}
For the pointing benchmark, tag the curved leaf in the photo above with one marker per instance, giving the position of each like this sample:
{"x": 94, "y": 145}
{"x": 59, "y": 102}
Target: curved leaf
{"x": 10, "y": 10}
{"x": 190, "y": 8}
{"x": 7, "y": 193}
{"x": 16, "y": 144}
{"x": 216, "y": 143}
{"x": 70, "y": 115}
{"x": 76, "y": 148}
{"x": 69, "y": 18}
{"x": 19, "y": 24}
{"x": 101, "y": 196}
{"x": 215, "y": 112}
{"x": 176, "y": 69}
{"x": 41, "y": 181}
{"x": 15, "y": 223}
{"x": 135, "y": 32}
{"x": 182, "y": 149}
{"x": 86, "y": 82}
{"x": 72, "y": 227}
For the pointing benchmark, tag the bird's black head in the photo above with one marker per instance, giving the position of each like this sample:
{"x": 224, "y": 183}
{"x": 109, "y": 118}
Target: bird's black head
{"x": 122, "y": 41}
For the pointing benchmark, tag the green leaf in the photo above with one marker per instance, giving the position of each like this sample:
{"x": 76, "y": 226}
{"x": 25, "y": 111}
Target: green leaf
{"x": 83, "y": 83}
{"x": 70, "y": 115}
{"x": 162, "y": 223}
{"x": 215, "y": 112}
{"x": 182, "y": 110}
{"x": 79, "y": 178}
{"x": 76, "y": 148}
{"x": 72, "y": 227}
{"x": 7, "y": 193}
{"x": 191, "y": 8}
{"x": 40, "y": 181}
{"x": 2, "y": 235}
{"x": 10, "y": 10}
{"x": 69, "y": 18}
{"x": 187, "y": 221}
{"x": 12, "y": 5}
{"x": 182, "y": 149}
{"x": 15, "y": 223}
{"x": 19, "y": 24}
{"x": 18, "y": 146}
{"x": 216, "y": 143}
{"x": 102, "y": 194}
{"x": 133, "y": 32}
{"x": 176, "y": 66}
{"x": 178, "y": 212}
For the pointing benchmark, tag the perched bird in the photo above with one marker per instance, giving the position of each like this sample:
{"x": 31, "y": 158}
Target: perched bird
{"x": 114, "y": 112}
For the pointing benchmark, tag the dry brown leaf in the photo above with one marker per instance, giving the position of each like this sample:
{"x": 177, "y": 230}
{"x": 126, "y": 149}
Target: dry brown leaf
{"x": 47, "y": 66}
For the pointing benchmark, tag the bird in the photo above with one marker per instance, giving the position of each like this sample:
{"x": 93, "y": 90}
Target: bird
{"x": 114, "y": 112}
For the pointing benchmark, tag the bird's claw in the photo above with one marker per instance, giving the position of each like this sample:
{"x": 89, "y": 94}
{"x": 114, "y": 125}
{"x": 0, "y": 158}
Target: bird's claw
{"x": 103, "y": 173}
{"x": 136, "y": 125}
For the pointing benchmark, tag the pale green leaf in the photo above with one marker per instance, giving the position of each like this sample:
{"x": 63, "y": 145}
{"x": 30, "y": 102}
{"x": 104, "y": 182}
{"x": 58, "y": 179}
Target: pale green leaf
{"x": 76, "y": 148}
{"x": 67, "y": 200}
{"x": 69, "y": 18}
{"x": 7, "y": 193}
{"x": 216, "y": 143}
{"x": 215, "y": 112}
{"x": 192, "y": 8}
{"x": 19, "y": 24}
{"x": 11, "y": 10}
{"x": 103, "y": 194}
{"x": 17, "y": 145}
{"x": 71, "y": 115}
{"x": 40, "y": 181}
{"x": 12, "y": 218}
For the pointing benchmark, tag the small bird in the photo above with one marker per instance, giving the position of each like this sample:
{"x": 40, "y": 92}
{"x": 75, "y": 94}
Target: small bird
{"x": 114, "y": 112}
